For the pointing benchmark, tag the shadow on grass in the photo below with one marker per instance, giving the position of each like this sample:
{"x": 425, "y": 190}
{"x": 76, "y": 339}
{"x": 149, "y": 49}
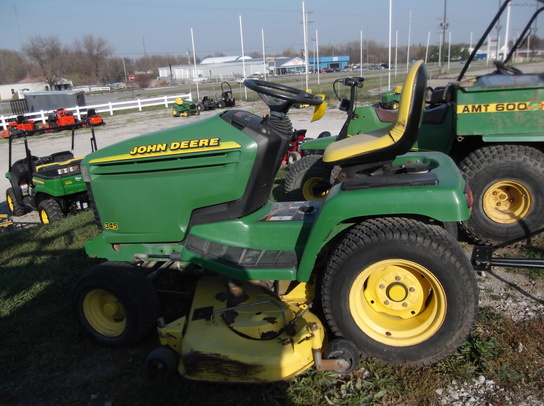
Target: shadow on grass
{"x": 44, "y": 357}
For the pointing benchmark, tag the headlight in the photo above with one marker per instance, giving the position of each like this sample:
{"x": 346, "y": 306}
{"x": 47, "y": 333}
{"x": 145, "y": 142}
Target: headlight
{"x": 68, "y": 169}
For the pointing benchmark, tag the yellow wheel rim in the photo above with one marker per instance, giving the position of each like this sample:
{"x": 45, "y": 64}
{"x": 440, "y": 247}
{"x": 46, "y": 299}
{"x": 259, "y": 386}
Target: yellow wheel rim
{"x": 11, "y": 206}
{"x": 507, "y": 202}
{"x": 398, "y": 303}
{"x": 44, "y": 217}
{"x": 307, "y": 189}
{"x": 105, "y": 313}
{"x": 174, "y": 112}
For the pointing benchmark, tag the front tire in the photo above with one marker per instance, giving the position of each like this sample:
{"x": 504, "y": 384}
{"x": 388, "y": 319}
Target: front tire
{"x": 303, "y": 175}
{"x": 115, "y": 304}
{"x": 14, "y": 208}
{"x": 401, "y": 290}
{"x": 508, "y": 188}
{"x": 49, "y": 211}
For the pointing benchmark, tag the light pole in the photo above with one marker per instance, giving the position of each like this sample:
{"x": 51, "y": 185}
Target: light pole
{"x": 444, "y": 26}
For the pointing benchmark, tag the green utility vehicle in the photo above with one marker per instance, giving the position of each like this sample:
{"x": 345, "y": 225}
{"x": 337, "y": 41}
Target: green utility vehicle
{"x": 50, "y": 184}
{"x": 492, "y": 128}
{"x": 386, "y": 277}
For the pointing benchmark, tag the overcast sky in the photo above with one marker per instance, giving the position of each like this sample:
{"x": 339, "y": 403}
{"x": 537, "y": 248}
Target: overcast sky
{"x": 135, "y": 27}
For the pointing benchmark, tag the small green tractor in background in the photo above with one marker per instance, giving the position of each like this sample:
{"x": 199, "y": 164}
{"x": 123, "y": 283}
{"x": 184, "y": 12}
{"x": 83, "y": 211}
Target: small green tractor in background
{"x": 268, "y": 290}
{"x": 492, "y": 128}
{"x": 184, "y": 108}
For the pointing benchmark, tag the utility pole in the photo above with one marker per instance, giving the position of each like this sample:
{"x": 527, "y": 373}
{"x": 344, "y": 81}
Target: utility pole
{"x": 444, "y": 26}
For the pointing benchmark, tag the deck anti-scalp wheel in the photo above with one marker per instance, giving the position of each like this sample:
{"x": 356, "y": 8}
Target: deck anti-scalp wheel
{"x": 161, "y": 361}
{"x": 343, "y": 349}
{"x": 401, "y": 290}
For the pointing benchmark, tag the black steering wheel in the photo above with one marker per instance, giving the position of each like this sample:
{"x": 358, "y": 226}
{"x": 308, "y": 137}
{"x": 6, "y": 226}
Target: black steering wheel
{"x": 502, "y": 68}
{"x": 280, "y": 97}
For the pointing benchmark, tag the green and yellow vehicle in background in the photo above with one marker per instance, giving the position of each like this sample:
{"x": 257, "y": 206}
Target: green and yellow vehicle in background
{"x": 491, "y": 125}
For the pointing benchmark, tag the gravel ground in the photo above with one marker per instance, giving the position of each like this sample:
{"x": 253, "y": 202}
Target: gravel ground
{"x": 514, "y": 294}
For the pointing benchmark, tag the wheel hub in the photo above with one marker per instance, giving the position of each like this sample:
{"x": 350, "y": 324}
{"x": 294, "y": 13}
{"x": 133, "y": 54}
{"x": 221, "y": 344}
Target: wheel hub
{"x": 11, "y": 206}
{"x": 110, "y": 309}
{"x": 396, "y": 291}
{"x": 44, "y": 218}
{"x": 308, "y": 192}
{"x": 398, "y": 302}
{"x": 104, "y": 313}
{"x": 507, "y": 202}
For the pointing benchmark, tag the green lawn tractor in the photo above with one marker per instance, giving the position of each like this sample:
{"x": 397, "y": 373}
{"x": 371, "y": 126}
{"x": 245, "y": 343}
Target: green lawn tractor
{"x": 490, "y": 125}
{"x": 184, "y": 108}
{"x": 267, "y": 290}
{"x": 390, "y": 99}
{"x": 50, "y": 184}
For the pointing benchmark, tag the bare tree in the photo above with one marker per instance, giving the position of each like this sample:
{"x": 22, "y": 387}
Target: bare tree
{"x": 13, "y": 66}
{"x": 49, "y": 56}
{"x": 92, "y": 55}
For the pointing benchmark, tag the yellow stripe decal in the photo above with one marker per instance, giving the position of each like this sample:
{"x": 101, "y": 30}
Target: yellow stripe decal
{"x": 174, "y": 148}
{"x": 57, "y": 163}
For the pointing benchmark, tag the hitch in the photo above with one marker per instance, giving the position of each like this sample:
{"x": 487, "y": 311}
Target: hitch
{"x": 482, "y": 260}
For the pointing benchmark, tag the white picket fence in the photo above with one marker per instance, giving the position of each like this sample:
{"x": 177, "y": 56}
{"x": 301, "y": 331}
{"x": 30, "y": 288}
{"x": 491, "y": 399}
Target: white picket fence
{"x": 103, "y": 108}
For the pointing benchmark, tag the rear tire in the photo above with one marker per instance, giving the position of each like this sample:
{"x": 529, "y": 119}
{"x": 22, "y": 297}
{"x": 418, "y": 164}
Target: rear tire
{"x": 303, "y": 175}
{"x": 115, "y": 304}
{"x": 14, "y": 208}
{"x": 49, "y": 211}
{"x": 401, "y": 290}
{"x": 507, "y": 183}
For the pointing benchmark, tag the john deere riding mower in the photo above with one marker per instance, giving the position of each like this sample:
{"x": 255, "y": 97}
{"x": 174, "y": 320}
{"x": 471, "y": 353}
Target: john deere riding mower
{"x": 372, "y": 259}
{"x": 184, "y": 108}
{"x": 50, "y": 184}
{"x": 490, "y": 125}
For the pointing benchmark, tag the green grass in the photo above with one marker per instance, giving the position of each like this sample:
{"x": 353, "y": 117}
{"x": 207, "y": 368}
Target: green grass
{"x": 45, "y": 360}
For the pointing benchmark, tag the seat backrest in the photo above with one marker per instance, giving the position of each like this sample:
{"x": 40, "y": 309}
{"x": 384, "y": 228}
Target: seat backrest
{"x": 363, "y": 148}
